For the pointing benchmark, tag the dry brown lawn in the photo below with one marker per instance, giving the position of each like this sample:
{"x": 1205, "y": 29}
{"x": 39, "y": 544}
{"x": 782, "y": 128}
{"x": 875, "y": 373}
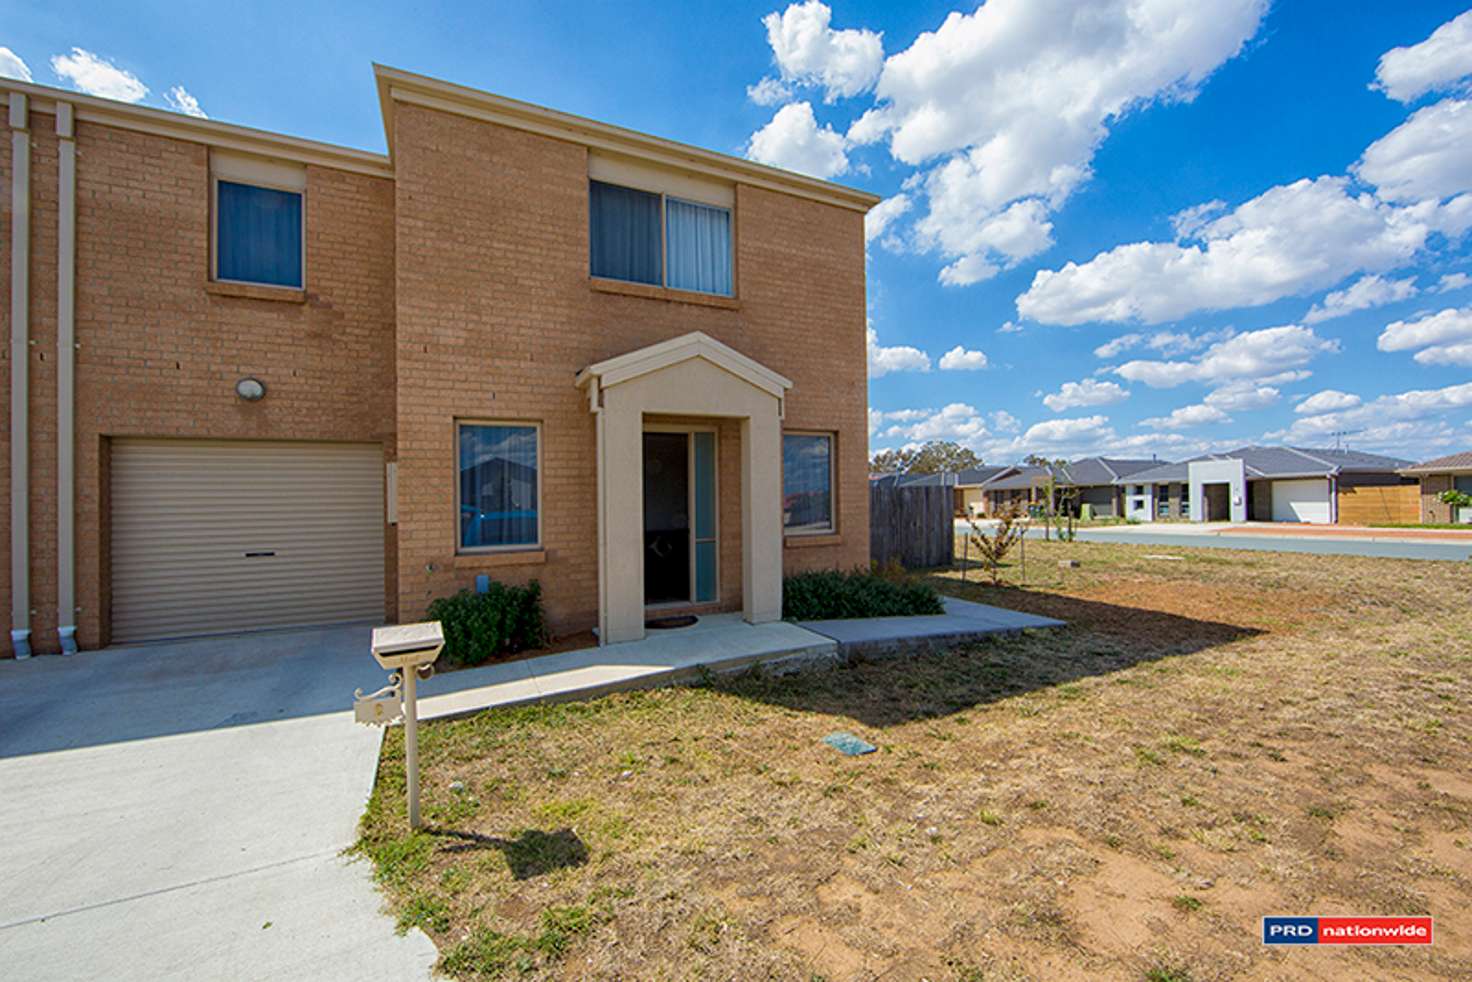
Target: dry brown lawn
{"x": 1211, "y": 739}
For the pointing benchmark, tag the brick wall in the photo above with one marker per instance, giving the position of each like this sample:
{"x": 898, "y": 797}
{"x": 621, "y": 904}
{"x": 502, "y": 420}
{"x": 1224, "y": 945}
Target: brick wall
{"x": 159, "y": 355}
{"x": 496, "y": 316}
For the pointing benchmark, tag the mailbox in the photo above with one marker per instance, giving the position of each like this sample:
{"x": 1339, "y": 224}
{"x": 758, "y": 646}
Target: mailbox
{"x": 408, "y": 652}
{"x": 408, "y": 645}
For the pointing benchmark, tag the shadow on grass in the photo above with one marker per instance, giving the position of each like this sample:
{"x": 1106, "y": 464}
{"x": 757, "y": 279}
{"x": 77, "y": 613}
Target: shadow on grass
{"x": 1100, "y": 639}
{"x": 531, "y": 854}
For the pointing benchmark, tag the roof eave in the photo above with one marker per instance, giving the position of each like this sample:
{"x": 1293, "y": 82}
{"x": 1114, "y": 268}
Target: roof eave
{"x": 211, "y": 132}
{"x": 395, "y": 84}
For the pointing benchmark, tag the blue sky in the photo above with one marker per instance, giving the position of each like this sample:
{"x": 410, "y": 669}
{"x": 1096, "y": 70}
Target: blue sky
{"x": 1128, "y": 226}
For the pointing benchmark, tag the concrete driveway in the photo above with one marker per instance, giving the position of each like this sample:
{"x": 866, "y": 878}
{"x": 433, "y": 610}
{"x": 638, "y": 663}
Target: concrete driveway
{"x": 178, "y": 811}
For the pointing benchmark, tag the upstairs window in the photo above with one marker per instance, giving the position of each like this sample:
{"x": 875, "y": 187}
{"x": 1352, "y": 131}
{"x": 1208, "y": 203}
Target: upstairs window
{"x": 645, "y": 237}
{"x": 258, "y": 228}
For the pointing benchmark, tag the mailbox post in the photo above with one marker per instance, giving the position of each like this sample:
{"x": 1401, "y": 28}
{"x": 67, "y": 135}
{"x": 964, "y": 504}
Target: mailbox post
{"x": 405, "y": 650}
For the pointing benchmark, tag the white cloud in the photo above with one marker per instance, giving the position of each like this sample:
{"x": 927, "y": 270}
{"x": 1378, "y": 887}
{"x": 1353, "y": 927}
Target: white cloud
{"x": 13, "y": 65}
{"x": 1258, "y": 355}
{"x": 1440, "y": 61}
{"x": 1010, "y": 327}
{"x": 968, "y": 270}
{"x": 1188, "y": 222}
{"x": 882, "y": 215}
{"x": 1429, "y": 331}
{"x": 1020, "y": 231}
{"x": 1119, "y": 345}
{"x": 1391, "y": 421}
{"x": 95, "y": 75}
{"x": 1364, "y": 293}
{"x": 1014, "y": 98}
{"x": 958, "y": 359}
{"x": 1428, "y": 157}
{"x": 900, "y": 358}
{"x": 181, "y": 101}
{"x": 1005, "y": 422}
{"x": 769, "y": 92}
{"x": 1459, "y": 353}
{"x": 1089, "y": 392}
{"x": 1291, "y": 239}
{"x": 808, "y": 51}
{"x": 1242, "y": 396}
{"x": 1066, "y": 435}
{"x": 1326, "y": 400}
{"x": 1195, "y": 415}
{"x": 793, "y": 140}
{"x": 958, "y": 421}
{"x": 1453, "y": 281}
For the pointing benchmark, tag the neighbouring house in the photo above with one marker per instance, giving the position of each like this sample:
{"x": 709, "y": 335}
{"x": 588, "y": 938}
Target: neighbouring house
{"x": 268, "y": 381}
{"x": 1271, "y": 484}
{"x": 1091, "y": 481}
{"x": 1436, "y": 477}
{"x": 1015, "y": 488}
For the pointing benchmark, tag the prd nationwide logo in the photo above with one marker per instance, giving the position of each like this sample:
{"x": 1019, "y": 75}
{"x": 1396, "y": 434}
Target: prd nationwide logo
{"x": 1346, "y": 930}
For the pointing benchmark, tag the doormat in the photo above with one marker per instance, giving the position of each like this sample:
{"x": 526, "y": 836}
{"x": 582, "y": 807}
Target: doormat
{"x": 665, "y": 623}
{"x": 848, "y": 744}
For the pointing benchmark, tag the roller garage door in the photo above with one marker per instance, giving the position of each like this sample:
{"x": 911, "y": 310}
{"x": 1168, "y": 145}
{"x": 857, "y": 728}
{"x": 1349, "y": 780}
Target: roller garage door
{"x": 210, "y": 537}
{"x": 1301, "y": 501}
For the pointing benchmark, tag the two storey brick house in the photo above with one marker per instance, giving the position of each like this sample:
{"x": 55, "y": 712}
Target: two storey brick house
{"x": 258, "y": 381}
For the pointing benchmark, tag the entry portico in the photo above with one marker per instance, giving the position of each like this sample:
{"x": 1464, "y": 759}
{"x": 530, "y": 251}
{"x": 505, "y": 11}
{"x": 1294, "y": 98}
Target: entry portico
{"x": 693, "y": 375}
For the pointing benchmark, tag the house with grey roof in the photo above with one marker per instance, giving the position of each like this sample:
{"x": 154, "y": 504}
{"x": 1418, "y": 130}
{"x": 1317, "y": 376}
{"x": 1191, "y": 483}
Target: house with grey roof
{"x": 1262, "y": 484}
{"x": 1436, "y": 477}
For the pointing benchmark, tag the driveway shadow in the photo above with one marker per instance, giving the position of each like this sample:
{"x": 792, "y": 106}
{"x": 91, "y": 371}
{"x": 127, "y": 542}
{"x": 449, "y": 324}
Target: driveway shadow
{"x": 1100, "y": 639}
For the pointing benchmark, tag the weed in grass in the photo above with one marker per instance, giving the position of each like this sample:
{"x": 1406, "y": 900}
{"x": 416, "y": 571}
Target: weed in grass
{"x": 1037, "y": 805}
{"x": 560, "y": 927}
{"x": 426, "y": 912}
{"x": 488, "y": 953}
{"x": 1190, "y": 801}
{"x": 1145, "y": 756}
{"x": 989, "y": 817}
{"x": 1186, "y": 904}
{"x": 1184, "y": 745}
{"x": 1168, "y": 973}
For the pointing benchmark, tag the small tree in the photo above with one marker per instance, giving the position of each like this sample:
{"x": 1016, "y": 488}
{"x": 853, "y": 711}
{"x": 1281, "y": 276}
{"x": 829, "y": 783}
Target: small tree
{"x": 994, "y": 546}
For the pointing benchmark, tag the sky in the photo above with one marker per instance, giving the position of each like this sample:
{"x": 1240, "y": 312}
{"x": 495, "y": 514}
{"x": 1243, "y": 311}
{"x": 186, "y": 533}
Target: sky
{"x": 1133, "y": 227}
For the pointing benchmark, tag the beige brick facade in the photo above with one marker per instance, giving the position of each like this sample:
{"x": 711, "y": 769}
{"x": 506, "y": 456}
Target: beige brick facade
{"x": 454, "y": 287}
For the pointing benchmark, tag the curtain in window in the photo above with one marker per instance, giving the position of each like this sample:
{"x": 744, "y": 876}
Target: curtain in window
{"x": 260, "y": 235}
{"x": 807, "y": 492}
{"x": 498, "y": 486}
{"x": 624, "y": 232}
{"x": 698, "y": 241}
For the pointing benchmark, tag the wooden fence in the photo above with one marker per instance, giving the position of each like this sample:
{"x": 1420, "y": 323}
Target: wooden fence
{"x": 912, "y": 525}
{"x": 1394, "y": 503}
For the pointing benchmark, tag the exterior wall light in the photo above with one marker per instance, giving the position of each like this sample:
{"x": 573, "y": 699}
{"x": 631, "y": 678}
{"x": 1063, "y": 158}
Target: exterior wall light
{"x": 250, "y": 389}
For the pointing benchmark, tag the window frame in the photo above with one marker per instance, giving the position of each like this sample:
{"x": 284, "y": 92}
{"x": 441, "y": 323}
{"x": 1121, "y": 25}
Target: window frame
{"x": 461, "y": 549}
{"x": 1162, "y": 501}
{"x": 664, "y": 240}
{"x": 832, "y": 438}
{"x": 301, "y": 192}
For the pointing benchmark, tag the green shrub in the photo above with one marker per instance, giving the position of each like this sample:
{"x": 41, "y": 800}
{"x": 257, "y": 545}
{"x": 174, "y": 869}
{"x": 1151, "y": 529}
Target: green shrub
{"x": 482, "y": 626}
{"x": 830, "y": 594}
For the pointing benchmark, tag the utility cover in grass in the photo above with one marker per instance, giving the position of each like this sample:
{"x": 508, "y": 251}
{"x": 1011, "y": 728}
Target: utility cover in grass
{"x": 848, "y": 744}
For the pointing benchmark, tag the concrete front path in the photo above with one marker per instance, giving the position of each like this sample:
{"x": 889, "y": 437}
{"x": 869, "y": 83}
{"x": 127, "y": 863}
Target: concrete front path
{"x": 178, "y": 811}
{"x": 717, "y": 643}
